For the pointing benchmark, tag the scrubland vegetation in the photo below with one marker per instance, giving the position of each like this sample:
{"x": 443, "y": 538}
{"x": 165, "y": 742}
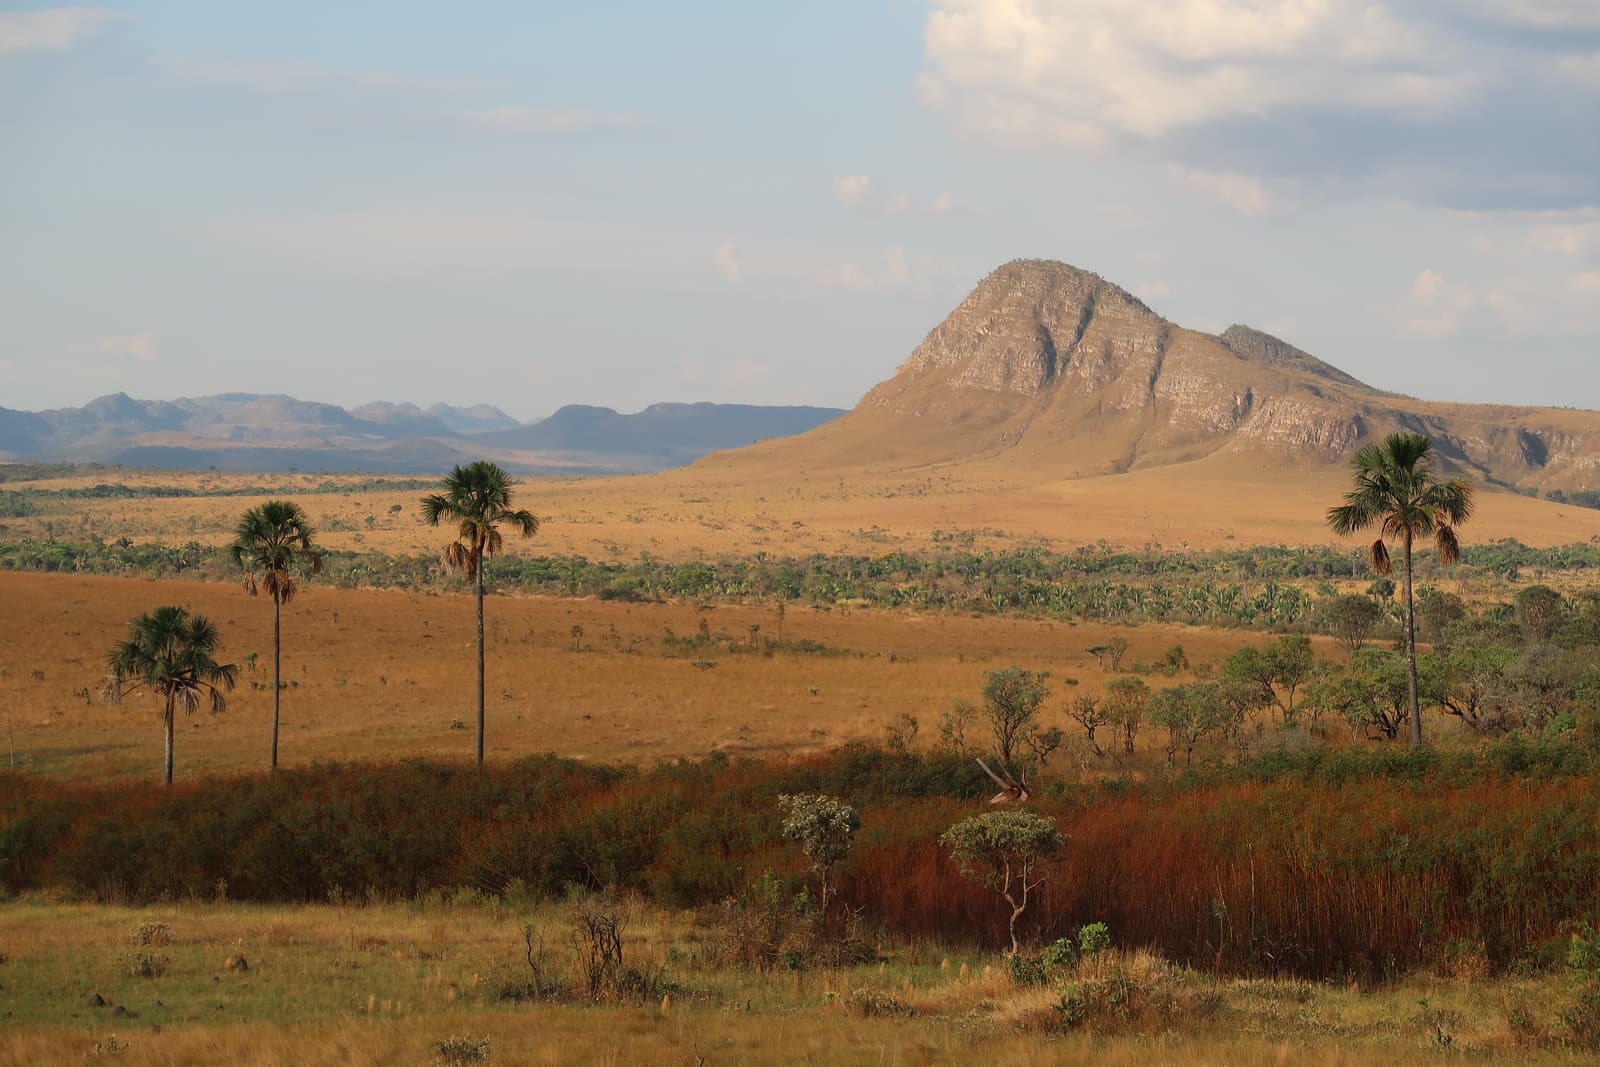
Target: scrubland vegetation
{"x": 1226, "y": 853}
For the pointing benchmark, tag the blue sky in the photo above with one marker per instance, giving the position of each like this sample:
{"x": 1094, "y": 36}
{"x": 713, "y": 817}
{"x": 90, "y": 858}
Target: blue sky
{"x": 535, "y": 204}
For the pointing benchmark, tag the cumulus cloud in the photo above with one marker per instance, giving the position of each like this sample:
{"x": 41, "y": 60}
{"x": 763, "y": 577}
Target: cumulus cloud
{"x": 1240, "y": 192}
{"x": 889, "y": 269}
{"x": 140, "y": 346}
{"x": 858, "y": 191}
{"x": 1543, "y": 14}
{"x": 546, "y": 120}
{"x": 1435, "y": 306}
{"x": 49, "y": 29}
{"x": 726, "y": 260}
{"x": 1587, "y": 282}
{"x": 1449, "y": 108}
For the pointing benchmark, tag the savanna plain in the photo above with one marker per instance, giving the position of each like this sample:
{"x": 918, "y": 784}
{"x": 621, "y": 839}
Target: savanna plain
{"x": 729, "y": 734}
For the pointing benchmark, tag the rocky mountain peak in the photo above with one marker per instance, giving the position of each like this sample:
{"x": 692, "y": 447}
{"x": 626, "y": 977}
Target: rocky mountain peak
{"x": 1251, "y": 344}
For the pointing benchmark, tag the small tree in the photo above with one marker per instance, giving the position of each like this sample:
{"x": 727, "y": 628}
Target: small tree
{"x": 1005, "y": 851}
{"x": 1091, "y": 713}
{"x": 825, "y": 827}
{"x": 1190, "y": 713}
{"x": 1352, "y": 618}
{"x": 1012, "y": 697}
{"x": 1126, "y": 701}
{"x": 1273, "y": 674}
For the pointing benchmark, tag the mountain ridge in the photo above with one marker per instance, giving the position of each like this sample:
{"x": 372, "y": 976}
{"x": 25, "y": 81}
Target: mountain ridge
{"x": 274, "y": 431}
{"x": 1052, "y": 367}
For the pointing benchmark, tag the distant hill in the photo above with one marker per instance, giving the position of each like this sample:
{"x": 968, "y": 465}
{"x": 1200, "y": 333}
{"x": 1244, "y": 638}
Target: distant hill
{"x": 678, "y": 433}
{"x": 1053, "y": 373}
{"x": 249, "y": 431}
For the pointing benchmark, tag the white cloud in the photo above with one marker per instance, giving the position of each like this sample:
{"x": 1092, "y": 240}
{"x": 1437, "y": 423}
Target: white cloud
{"x": 1544, "y": 14}
{"x": 1587, "y": 282}
{"x": 858, "y": 191}
{"x": 1148, "y": 291}
{"x": 726, "y": 260}
{"x": 1240, "y": 192}
{"x": 1428, "y": 287}
{"x": 889, "y": 269}
{"x": 1435, "y": 307}
{"x": 49, "y": 29}
{"x": 546, "y": 120}
{"x": 1088, "y": 72}
{"x": 140, "y": 346}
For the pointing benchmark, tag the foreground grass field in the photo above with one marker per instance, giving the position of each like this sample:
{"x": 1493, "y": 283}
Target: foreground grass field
{"x": 382, "y": 674}
{"x": 384, "y": 984}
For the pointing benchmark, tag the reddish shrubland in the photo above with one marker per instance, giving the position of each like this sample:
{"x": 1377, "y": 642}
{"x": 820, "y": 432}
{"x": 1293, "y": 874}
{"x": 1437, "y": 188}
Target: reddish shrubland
{"x": 1359, "y": 865}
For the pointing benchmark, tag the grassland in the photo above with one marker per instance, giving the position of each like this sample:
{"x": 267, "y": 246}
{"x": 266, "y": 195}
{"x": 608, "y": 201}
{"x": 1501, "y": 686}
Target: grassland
{"x": 381, "y": 674}
{"x": 381, "y": 985}
{"x": 750, "y": 502}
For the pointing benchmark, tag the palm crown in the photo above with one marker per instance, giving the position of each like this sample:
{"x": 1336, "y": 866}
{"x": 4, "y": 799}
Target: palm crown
{"x": 477, "y": 498}
{"x": 271, "y": 543}
{"x": 1396, "y": 490}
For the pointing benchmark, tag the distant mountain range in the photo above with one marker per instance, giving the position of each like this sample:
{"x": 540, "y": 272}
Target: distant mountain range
{"x": 252, "y": 431}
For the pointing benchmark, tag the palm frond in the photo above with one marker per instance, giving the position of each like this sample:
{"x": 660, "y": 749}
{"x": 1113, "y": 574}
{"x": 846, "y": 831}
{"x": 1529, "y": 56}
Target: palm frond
{"x": 1445, "y": 540}
{"x": 1380, "y": 557}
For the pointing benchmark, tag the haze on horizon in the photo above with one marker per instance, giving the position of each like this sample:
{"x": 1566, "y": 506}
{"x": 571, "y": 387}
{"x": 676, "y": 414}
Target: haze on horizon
{"x": 535, "y": 205}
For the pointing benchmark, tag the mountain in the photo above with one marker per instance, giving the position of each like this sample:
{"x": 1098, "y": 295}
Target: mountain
{"x": 478, "y": 418}
{"x": 678, "y": 433}
{"x": 265, "y": 432}
{"x": 1055, "y": 373}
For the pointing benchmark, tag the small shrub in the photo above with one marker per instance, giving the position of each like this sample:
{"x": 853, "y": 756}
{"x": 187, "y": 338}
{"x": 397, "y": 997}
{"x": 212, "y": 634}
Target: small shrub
{"x": 151, "y": 933}
{"x": 110, "y": 1046}
{"x": 1059, "y": 958}
{"x": 1094, "y": 939}
{"x": 457, "y": 1050}
{"x": 875, "y": 1004}
{"x": 1439, "y": 1024}
{"x": 146, "y": 964}
{"x": 1026, "y": 970}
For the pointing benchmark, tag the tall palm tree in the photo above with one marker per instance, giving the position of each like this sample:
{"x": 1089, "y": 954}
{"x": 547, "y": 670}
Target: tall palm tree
{"x": 273, "y": 545}
{"x": 1396, "y": 490}
{"x": 477, "y": 498}
{"x": 170, "y": 653}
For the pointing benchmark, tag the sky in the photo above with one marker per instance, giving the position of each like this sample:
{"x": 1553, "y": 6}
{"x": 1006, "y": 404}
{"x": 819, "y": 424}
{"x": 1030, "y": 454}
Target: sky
{"x": 619, "y": 203}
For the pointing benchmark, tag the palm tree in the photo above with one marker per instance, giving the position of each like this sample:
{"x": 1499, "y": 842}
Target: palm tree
{"x": 272, "y": 543}
{"x": 1395, "y": 490}
{"x": 477, "y": 498}
{"x": 169, "y": 652}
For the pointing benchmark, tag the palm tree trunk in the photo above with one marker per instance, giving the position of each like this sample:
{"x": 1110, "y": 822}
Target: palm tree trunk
{"x": 1411, "y": 653}
{"x": 169, "y": 738}
{"x": 479, "y": 571}
{"x": 277, "y": 686}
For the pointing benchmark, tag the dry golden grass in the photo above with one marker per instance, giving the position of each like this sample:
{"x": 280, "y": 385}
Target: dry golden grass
{"x": 754, "y": 500}
{"x": 380, "y": 985}
{"x": 380, "y": 674}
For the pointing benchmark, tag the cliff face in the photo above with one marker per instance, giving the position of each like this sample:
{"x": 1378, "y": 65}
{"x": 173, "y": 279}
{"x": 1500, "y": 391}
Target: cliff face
{"x": 1071, "y": 370}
